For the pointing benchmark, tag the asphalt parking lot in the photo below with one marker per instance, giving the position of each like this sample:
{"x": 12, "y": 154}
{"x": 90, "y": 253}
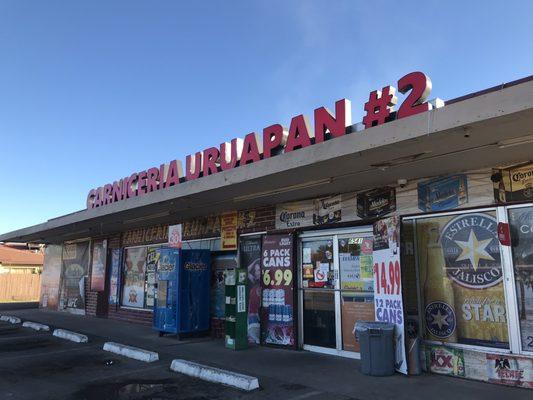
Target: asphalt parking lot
{"x": 38, "y": 365}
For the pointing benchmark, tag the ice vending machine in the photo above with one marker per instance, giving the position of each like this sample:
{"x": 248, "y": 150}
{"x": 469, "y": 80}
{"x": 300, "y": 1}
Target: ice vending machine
{"x": 183, "y": 288}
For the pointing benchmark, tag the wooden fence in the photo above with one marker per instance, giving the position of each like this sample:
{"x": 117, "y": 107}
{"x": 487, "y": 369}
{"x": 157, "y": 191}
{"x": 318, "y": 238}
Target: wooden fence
{"x": 19, "y": 287}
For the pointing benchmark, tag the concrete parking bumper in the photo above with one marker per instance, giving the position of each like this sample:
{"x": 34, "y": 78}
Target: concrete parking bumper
{"x": 69, "y": 335}
{"x": 216, "y": 375}
{"x": 131, "y": 352}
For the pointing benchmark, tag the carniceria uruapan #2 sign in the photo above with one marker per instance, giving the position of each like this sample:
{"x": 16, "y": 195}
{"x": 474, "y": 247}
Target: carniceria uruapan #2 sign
{"x": 275, "y": 140}
{"x": 388, "y": 302}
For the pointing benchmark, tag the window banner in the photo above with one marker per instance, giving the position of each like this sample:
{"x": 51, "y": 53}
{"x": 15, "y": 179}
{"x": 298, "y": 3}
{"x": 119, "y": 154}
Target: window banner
{"x": 114, "y": 276}
{"x": 388, "y": 283}
{"x": 98, "y": 266}
{"x": 134, "y": 277}
{"x": 50, "y": 277}
{"x": 74, "y": 271}
{"x": 277, "y": 271}
{"x": 250, "y": 258}
{"x": 461, "y": 277}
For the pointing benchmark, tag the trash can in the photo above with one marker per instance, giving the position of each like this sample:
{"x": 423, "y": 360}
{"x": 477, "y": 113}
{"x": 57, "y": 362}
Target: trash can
{"x": 376, "y": 340}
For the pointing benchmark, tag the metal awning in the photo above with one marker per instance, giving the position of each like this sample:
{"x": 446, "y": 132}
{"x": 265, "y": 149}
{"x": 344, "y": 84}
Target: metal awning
{"x": 486, "y": 130}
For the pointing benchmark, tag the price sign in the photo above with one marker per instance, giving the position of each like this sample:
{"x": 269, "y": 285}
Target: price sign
{"x": 388, "y": 279}
{"x": 277, "y": 316}
{"x": 388, "y": 304}
{"x": 278, "y": 277}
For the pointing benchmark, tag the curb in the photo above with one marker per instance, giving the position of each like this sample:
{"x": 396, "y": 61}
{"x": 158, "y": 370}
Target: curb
{"x": 69, "y": 335}
{"x": 35, "y": 325}
{"x": 10, "y": 318}
{"x": 216, "y": 375}
{"x": 131, "y": 352}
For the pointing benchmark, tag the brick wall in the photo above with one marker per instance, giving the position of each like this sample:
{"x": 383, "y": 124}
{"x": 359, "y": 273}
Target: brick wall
{"x": 135, "y": 316}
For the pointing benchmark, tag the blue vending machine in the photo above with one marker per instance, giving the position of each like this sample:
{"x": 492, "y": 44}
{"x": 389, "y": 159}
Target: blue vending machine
{"x": 183, "y": 288}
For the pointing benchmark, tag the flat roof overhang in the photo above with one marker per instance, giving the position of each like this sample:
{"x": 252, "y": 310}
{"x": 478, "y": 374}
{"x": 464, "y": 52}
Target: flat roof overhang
{"x": 464, "y": 135}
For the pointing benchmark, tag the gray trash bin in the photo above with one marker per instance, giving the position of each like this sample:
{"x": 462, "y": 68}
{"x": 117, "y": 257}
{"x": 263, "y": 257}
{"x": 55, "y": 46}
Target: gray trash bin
{"x": 376, "y": 340}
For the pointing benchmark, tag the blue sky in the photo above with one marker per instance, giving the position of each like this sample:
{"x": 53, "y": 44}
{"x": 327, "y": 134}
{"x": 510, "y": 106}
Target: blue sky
{"x": 91, "y": 91}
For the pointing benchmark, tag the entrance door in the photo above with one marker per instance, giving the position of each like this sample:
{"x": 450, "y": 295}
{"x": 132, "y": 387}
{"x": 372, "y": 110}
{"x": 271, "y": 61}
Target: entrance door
{"x": 335, "y": 289}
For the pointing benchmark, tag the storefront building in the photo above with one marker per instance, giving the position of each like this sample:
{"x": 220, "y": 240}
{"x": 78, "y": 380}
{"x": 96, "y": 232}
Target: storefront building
{"x": 421, "y": 215}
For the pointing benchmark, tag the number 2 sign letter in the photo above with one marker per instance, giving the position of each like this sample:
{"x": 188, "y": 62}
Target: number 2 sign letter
{"x": 420, "y": 86}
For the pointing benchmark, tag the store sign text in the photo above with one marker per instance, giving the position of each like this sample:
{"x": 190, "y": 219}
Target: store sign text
{"x": 275, "y": 140}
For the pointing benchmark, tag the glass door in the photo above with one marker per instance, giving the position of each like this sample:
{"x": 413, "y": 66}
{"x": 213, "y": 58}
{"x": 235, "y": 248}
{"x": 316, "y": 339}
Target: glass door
{"x": 318, "y": 292}
{"x": 356, "y": 285}
{"x": 336, "y": 289}
{"x": 521, "y": 230}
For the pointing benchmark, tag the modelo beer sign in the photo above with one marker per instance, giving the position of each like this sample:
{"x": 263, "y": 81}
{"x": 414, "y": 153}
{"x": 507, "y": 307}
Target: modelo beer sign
{"x": 275, "y": 140}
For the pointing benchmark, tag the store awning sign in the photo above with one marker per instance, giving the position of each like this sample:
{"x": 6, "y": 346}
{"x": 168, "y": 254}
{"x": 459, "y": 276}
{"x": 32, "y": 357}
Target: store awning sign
{"x": 275, "y": 140}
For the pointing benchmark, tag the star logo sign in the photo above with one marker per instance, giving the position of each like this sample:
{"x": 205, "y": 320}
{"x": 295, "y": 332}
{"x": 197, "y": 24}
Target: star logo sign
{"x": 440, "y": 319}
{"x": 474, "y": 250}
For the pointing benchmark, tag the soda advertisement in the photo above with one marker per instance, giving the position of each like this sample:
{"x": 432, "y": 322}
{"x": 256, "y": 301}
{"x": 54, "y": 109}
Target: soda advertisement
{"x": 446, "y": 361}
{"x": 461, "y": 279}
{"x": 388, "y": 303}
{"x": 74, "y": 270}
{"x": 250, "y": 259}
{"x": 98, "y": 266}
{"x": 277, "y": 271}
{"x": 509, "y": 370}
{"x": 521, "y": 223}
{"x": 50, "y": 277}
{"x": 114, "y": 276}
{"x": 134, "y": 277}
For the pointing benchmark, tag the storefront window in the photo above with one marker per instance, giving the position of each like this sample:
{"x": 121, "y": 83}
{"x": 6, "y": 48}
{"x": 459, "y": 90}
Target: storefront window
{"x": 357, "y": 286}
{"x": 521, "y": 223}
{"x": 139, "y": 277}
{"x": 461, "y": 279}
{"x": 317, "y": 264}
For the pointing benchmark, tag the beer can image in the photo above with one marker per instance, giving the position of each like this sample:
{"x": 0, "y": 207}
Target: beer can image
{"x": 279, "y": 312}
{"x": 271, "y": 312}
{"x": 266, "y": 302}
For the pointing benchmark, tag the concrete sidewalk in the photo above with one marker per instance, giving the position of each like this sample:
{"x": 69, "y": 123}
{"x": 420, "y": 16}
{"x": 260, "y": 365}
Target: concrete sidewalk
{"x": 335, "y": 375}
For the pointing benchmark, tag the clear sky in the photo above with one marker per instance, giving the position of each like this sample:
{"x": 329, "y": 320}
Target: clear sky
{"x": 91, "y": 91}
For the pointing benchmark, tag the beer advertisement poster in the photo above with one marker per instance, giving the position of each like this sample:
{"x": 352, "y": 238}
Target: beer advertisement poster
{"x": 250, "y": 259}
{"x": 134, "y": 277}
{"x": 316, "y": 212}
{"x": 277, "y": 271}
{"x": 74, "y": 271}
{"x": 114, "y": 276}
{"x": 461, "y": 279}
{"x": 446, "y": 361}
{"x": 509, "y": 370}
{"x": 388, "y": 303}
{"x": 443, "y": 193}
{"x": 50, "y": 277}
{"x": 98, "y": 265}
